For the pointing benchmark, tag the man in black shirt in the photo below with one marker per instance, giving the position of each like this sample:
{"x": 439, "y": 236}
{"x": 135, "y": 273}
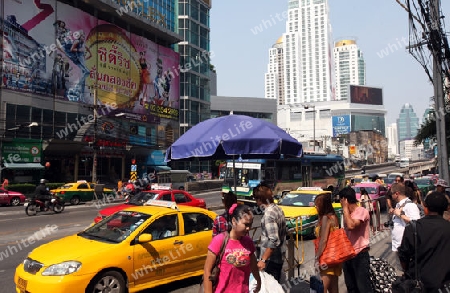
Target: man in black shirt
{"x": 42, "y": 193}
{"x": 433, "y": 245}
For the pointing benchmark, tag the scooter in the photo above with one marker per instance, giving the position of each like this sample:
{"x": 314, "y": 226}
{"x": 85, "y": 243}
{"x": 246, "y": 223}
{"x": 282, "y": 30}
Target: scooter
{"x": 35, "y": 206}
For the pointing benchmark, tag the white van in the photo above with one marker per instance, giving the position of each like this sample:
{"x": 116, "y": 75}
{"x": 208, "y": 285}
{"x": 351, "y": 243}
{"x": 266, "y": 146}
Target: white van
{"x": 176, "y": 177}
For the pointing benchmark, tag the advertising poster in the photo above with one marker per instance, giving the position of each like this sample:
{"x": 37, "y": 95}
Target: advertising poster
{"x": 341, "y": 125}
{"x": 53, "y": 49}
{"x": 366, "y": 95}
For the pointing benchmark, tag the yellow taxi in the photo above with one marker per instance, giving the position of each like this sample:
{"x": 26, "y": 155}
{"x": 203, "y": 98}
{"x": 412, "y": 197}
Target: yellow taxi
{"x": 300, "y": 211}
{"x": 132, "y": 250}
{"x": 79, "y": 191}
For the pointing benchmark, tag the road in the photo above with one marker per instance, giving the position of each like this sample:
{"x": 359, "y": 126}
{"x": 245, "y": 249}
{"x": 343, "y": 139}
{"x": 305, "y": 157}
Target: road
{"x": 20, "y": 234}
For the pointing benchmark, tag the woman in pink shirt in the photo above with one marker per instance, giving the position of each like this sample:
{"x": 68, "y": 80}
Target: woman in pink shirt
{"x": 356, "y": 224}
{"x": 238, "y": 259}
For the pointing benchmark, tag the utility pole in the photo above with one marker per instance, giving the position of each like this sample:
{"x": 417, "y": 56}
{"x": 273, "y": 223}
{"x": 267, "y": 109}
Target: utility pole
{"x": 439, "y": 94}
{"x": 94, "y": 142}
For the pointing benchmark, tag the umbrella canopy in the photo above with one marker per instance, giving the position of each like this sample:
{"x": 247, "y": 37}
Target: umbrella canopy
{"x": 233, "y": 136}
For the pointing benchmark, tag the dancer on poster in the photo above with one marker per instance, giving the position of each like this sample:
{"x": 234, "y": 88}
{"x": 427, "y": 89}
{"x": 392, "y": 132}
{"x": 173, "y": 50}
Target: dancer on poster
{"x": 148, "y": 92}
{"x": 73, "y": 45}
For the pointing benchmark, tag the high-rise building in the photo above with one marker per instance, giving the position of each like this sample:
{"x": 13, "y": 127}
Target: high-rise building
{"x": 274, "y": 78}
{"x": 350, "y": 67}
{"x": 407, "y": 123}
{"x": 307, "y": 47}
{"x": 392, "y": 138}
{"x": 195, "y": 101}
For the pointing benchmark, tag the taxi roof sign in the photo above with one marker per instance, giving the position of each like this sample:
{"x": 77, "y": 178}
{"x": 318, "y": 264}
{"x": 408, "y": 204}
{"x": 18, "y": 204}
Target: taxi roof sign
{"x": 161, "y": 203}
{"x": 161, "y": 186}
{"x": 309, "y": 189}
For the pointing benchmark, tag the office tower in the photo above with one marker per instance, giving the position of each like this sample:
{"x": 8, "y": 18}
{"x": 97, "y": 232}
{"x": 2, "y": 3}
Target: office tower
{"x": 308, "y": 69}
{"x": 350, "y": 67}
{"x": 392, "y": 138}
{"x": 195, "y": 97}
{"x": 407, "y": 123}
{"x": 274, "y": 78}
{"x": 193, "y": 26}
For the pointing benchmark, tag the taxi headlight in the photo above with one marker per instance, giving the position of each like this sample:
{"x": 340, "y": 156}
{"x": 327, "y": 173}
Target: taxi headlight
{"x": 61, "y": 269}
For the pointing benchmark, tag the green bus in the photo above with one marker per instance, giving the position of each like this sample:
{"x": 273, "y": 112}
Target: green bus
{"x": 284, "y": 174}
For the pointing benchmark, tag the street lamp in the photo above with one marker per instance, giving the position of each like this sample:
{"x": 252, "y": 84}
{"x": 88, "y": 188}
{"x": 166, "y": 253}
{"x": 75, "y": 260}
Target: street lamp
{"x": 307, "y": 106}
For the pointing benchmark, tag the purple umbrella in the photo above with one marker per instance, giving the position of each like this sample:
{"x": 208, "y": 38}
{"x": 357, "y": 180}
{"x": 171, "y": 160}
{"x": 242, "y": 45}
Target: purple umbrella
{"x": 231, "y": 137}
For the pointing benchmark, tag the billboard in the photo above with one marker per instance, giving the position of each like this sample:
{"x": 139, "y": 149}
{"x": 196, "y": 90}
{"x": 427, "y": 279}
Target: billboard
{"x": 366, "y": 95}
{"x": 56, "y": 50}
{"x": 341, "y": 124}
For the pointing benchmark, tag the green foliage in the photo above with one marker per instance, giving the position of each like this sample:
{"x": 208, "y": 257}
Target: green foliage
{"x": 28, "y": 188}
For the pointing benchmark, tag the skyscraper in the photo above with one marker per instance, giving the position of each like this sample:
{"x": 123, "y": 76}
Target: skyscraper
{"x": 407, "y": 123}
{"x": 350, "y": 67}
{"x": 308, "y": 65}
{"x": 274, "y": 78}
{"x": 392, "y": 138}
{"x": 195, "y": 100}
{"x": 193, "y": 25}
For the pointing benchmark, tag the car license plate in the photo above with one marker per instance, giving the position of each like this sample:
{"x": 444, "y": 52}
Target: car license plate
{"x": 22, "y": 284}
{"x": 25, "y": 204}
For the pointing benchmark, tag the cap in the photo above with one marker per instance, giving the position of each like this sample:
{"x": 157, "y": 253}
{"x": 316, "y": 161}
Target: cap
{"x": 441, "y": 182}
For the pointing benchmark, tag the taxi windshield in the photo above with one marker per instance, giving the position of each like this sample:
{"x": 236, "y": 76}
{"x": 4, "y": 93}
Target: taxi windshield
{"x": 115, "y": 228}
{"x": 298, "y": 200}
{"x": 66, "y": 186}
{"x": 142, "y": 197}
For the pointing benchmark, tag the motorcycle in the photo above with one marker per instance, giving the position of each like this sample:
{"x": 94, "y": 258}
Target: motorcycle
{"x": 35, "y": 205}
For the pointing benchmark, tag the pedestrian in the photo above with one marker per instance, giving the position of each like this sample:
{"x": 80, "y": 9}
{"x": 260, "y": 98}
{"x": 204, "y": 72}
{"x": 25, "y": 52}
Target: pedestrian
{"x": 433, "y": 250}
{"x": 366, "y": 202}
{"x": 222, "y": 222}
{"x": 356, "y": 224}
{"x": 328, "y": 222}
{"x": 405, "y": 211}
{"x": 238, "y": 258}
{"x": 273, "y": 232}
{"x": 5, "y": 183}
{"x": 119, "y": 186}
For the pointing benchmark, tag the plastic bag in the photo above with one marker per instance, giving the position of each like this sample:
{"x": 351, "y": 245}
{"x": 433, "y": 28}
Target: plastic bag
{"x": 268, "y": 284}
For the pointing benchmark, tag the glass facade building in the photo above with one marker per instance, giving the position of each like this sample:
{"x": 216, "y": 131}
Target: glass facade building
{"x": 407, "y": 123}
{"x": 194, "y": 50}
{"x": 162, "y": 12}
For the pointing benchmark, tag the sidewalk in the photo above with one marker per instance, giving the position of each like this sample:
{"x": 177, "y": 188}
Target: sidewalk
{"x": 380, "y": 246}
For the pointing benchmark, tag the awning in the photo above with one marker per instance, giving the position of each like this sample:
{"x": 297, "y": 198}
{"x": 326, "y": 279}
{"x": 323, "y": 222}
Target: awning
{"x": 162, "y": 168}
{"x": 23, "y": 166}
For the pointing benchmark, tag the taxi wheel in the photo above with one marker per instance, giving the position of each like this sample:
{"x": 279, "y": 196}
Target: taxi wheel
{"x": 109, "y": 281}
{"x": 75, "y": 200}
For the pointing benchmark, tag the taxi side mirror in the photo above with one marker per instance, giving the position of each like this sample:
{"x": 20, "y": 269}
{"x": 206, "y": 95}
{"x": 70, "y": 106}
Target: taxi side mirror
{"x": 144, "y": 238}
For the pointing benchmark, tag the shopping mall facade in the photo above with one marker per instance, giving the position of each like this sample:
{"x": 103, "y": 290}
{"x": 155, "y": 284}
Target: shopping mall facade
{"x": 87, "y": 89}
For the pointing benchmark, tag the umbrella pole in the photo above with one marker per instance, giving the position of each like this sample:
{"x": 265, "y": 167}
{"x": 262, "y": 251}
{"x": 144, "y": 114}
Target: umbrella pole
{"x": 234, "y": 176}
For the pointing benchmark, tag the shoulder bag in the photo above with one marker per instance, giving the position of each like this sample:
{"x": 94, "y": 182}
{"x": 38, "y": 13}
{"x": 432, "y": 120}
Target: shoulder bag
{"x": 338, "y": 249}
{"x": 404, "y": 284}
{"x": 215, "y": 272}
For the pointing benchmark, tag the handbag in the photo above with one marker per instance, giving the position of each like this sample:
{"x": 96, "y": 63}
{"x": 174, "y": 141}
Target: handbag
{"x": 215, "y": 272}
{"x": 338, "y": 250}
{"x": 405, "y": 284}
{"x": 315, "y": 284}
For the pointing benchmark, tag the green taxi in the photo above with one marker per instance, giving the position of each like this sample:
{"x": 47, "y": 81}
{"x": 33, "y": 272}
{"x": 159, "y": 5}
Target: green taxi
{"x": 79, "y": 191}
{"x": 300, "y": 211}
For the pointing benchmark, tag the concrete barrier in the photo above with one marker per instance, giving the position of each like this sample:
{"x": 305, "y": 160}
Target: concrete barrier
{"x": 199, "y": 186}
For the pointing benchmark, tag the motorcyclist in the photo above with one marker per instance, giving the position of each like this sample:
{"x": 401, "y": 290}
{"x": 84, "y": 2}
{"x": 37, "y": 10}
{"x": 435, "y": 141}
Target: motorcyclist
{"x": 42, "y": 193}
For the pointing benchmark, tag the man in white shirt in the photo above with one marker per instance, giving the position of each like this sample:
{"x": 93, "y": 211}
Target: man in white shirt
{"x": 405, "y": 211}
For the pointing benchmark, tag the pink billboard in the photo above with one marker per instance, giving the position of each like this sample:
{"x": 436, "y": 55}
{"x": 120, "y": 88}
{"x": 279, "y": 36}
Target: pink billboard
{"x": 56, "y": 50}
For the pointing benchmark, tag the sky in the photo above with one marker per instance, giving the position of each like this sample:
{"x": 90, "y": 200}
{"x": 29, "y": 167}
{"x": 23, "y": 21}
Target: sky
{"x": 240, "y": 52}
